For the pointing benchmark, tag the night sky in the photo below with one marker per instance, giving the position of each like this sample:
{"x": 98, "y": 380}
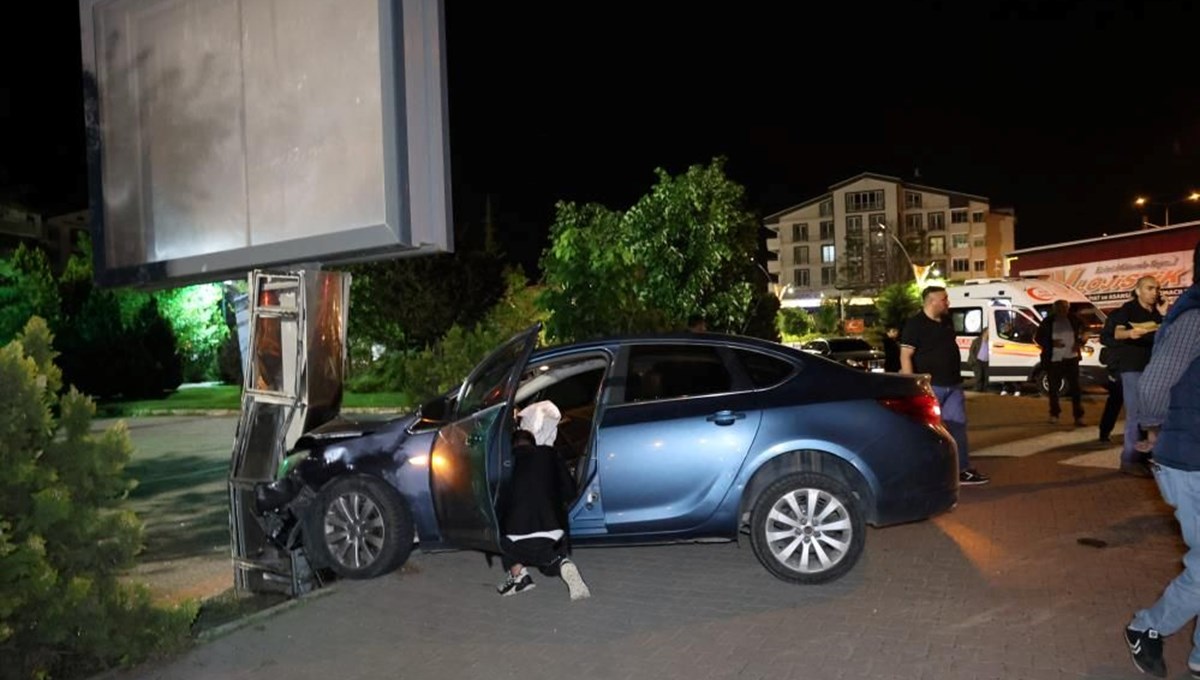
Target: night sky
{"x": 1064, "y": 111}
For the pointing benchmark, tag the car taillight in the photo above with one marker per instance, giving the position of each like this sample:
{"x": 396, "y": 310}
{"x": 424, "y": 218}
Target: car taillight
{"x": 923, "y": 408}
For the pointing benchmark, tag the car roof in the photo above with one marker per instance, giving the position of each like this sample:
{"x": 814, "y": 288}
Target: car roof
{"x": 684, "y": 337}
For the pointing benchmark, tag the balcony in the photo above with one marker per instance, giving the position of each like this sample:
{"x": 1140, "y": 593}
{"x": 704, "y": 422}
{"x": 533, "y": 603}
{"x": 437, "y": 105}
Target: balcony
{"x": 773, "y": 244}
{"x": 773, "y": 266}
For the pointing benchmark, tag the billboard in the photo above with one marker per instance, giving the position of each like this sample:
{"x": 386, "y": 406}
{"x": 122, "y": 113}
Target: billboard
{"x": 227, "y": 135}
{"x": 1108, "y": 283}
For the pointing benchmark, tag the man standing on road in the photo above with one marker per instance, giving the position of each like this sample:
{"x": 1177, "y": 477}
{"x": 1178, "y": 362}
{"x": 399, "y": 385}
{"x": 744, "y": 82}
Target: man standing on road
{"x": 1060, "y": 335}
{"x": 1170, "y": 414}
{"x": 1129, "y": 335}
{"x": 928, "y": 345}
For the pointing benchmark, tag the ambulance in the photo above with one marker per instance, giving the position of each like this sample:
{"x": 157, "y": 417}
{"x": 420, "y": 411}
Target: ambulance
{"x": 1011, "y": 309}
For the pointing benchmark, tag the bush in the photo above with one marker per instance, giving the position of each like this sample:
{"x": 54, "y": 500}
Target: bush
{"x": 27, "y": 288}
{"x": 794, "y": 321}
{"x": 64, "y": 535}
{"x": 438, "y": 367}
{"x": 897, "y": 303}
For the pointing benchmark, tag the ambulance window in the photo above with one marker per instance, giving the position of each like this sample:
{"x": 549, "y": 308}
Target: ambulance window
{"x": 967, "y": 320}
{"x": 1011, "y": 325}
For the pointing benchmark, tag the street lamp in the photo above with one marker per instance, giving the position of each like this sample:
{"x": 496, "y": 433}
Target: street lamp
{"x": 920, "y": 272}
{"x": 1142, "y": 202}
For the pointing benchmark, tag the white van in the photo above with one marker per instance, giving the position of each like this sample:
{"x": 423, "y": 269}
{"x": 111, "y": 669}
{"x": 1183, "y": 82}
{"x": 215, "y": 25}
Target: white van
{"x": 1012, "y": 309}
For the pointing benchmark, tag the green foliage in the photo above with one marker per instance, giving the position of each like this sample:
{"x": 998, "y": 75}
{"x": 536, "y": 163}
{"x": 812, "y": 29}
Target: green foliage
{"x": 409, "y": 303}
{"x": 795, "y": 322}
{"x": 440, "y": 366}
{"x": 827, "y": 319}
{"x": 27, "y": 288}
{"x": 113, "y": 342}
{"x": 764, "y": 315}
{"x": 196, "y": 317}
{"x": 897, "y": 303}
{"x": 684, "y": 248}
{"x": 64, "y": 534}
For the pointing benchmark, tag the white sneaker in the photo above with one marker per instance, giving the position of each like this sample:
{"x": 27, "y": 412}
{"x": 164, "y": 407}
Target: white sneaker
{"x": 575, "y": 585}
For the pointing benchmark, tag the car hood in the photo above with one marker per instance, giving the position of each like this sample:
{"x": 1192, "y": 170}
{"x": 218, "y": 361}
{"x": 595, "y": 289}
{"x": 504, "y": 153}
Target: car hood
{"x": 346, "y": 428}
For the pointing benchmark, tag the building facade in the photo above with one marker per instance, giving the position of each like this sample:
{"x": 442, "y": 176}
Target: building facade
{"x": 865, "y": 232}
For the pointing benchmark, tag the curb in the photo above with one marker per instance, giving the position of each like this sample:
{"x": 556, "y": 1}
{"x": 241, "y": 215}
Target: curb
{"x": 237, "y": 624}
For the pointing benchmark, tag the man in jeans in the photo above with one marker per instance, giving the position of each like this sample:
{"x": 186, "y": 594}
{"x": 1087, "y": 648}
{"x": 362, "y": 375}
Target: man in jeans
{"x": 928, "y": 345}
{"x": 1170, "y": 414}
{"x": 1129, "y": 335}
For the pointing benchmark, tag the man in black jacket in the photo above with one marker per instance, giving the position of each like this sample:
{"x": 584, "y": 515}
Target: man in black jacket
{"x": 1129, "y": 335}
{"x": 533, "y": 516}
{"x": 1060, "y": 336}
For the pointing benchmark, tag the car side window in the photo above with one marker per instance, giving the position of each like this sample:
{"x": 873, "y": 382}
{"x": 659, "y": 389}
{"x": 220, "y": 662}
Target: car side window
{"x": 674, "y": 371}
{"x": 764, "y": 370}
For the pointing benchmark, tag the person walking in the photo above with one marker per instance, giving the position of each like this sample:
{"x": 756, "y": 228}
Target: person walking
{"x": 1129, "y": 335}
{"x": 928, "y": 345}
{"x": 1169, "y": 411}
{"x": 1060, "y": 335}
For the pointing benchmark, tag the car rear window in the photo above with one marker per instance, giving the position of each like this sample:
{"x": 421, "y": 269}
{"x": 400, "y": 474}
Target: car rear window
{"x": 849, "y": 345}
{"x": 764, "y": 370}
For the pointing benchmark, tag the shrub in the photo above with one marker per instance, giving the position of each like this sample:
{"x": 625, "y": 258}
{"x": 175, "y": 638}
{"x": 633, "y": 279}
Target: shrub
{"x": 64, "y": 534}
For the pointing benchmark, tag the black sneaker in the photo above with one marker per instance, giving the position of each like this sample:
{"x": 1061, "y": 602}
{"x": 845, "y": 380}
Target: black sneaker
{"x": 515, "y": 584}
{"x": 972, "y": 477}
{"x": 1146, "y": 648}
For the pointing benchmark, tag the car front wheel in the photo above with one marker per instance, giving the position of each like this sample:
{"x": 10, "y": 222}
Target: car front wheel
{"x": 360, "y": 527}
{"x": 807, "y": 528}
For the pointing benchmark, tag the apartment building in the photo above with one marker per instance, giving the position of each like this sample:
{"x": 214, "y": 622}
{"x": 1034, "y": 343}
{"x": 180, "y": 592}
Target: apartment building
{"x": 863, "y": 233}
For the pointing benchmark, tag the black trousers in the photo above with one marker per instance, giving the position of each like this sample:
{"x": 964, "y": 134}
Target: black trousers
{"x": 1112, "y": 405}
{"x": 545, "y": 554}
{"x": 1058, "y": 371}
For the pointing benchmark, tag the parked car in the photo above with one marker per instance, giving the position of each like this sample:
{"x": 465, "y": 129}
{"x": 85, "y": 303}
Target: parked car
{"x": 853, "y": 352}
{"x": 672, "y": 438}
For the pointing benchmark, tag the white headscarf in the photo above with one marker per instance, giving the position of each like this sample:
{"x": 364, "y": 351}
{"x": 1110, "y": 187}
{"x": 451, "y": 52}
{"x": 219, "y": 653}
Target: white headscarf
{"x": 541, "y": 419}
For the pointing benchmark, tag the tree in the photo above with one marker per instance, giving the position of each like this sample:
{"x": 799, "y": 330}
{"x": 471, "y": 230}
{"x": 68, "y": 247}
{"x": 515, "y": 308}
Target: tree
{"x": 897, "y": 303}
{"x": 795, "y": 321}
{"x": 684, "y": 248}
{"x": 409, "y": 303}
{"x": 827, "y": 318}
{"x": 27, "y": 288}
{"x": 64, "y": 533}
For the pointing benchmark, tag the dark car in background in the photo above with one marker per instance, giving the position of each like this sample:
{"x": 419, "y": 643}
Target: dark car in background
{"x": 853, "y": 352}
{"x": 671, "y": 438}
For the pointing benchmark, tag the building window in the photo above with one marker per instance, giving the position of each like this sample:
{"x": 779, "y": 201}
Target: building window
{"x": 854, "y": 226}
{"x": 980, "y": 266}
{"x": 958, "y": 217}
{"x": 800, "y": 232}
{"x": 862, "y": 201}
{"x": 937, "y": 245}
{"x": 828, "y": 276}
{"x": 959, "y": 240}
{"x": 960, "y": 265}
{"x": 937, "y": 221}
{"x": 977, "y": 216}
{"x": 827, "y": 231}
{"x": 828, "y": 253}
{"x": 802, "y": 280}
{"x": 980, "y": 242}
{"x": 875, "y": 220}
{"x": 826, "y": 208}
{"x": 912, "y": 199}
{"x": 800, "y": 254}
{"x": 912, "y": 223}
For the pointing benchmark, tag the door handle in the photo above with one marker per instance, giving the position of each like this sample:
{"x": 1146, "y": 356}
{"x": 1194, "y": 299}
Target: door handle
{"x": 725, "y": 417}
{"x": 998, "y": 344}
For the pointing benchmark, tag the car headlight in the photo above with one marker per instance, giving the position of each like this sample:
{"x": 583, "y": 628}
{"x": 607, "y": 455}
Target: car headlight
{"x": 1088, "y": 350}
{"x": 856, "y": 363}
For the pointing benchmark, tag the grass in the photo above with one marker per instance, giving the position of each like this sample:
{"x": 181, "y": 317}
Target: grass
{"x": 229, "y": 397}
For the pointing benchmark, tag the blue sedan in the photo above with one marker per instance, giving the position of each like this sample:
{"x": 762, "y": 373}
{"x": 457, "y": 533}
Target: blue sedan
{"x": 672, "y": 438}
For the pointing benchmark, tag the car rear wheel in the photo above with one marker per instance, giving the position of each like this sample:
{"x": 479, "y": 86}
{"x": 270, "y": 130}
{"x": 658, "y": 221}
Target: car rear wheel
{"x": 362, "y": 528}
{"x": 807, "y": 528}
{"x": 1043, "y": 383}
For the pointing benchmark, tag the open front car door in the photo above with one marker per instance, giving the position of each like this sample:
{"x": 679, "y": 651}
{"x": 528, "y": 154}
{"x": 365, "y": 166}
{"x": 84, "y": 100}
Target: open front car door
{"x": 470, "y": 453}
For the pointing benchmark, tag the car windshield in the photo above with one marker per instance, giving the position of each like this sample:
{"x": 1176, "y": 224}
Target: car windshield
{"x": 849, "y": 345}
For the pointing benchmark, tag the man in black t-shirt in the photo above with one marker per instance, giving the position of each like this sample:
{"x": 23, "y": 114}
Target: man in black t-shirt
{"x": 1129, "y": 336}
{"x": 928, "y": 345}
